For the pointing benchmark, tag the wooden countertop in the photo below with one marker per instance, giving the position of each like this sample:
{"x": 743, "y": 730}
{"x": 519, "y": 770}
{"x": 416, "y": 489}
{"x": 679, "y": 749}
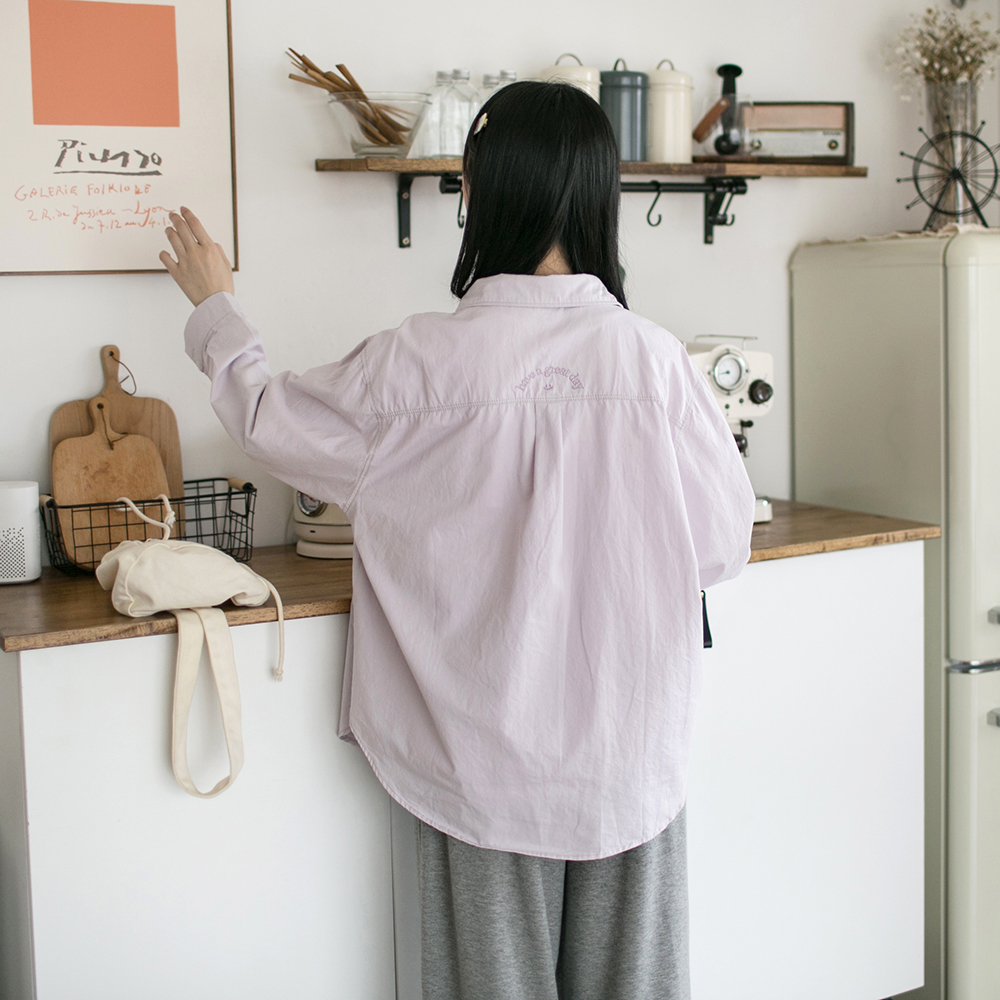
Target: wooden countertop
{"x": 802, "y": 529}
{"x": 60, "y": 610}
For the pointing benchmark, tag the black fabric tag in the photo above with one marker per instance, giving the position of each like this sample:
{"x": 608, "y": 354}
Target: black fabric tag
{"x": 706, "y": 632}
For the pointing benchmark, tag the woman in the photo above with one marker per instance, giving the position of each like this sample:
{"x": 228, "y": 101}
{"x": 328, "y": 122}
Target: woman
{"x": 540, "y": 485}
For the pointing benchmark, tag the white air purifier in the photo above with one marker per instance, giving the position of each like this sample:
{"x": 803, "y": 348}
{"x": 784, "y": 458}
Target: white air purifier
{"x": 20, "y": 537}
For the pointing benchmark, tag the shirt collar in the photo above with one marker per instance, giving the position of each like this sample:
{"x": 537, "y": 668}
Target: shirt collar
{"x": 550, "y": 290}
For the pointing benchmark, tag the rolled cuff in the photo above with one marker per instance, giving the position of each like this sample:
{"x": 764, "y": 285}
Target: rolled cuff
{"x": 203, "y": 323}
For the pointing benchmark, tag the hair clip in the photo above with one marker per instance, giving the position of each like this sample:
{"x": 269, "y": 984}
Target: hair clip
{"x": 481, "y": 124}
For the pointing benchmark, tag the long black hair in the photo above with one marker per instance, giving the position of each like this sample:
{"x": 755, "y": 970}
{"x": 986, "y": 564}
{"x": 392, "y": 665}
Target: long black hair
{"x": 541, "y": 164}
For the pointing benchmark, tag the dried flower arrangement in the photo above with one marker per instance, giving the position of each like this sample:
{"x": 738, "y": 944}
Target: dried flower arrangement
{"x": 941, "y": 47}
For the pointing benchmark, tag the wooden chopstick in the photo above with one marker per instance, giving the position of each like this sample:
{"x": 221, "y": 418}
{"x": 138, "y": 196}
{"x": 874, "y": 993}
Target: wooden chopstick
{"x": 378, "y": 122}
{"x": 387, "y": 129}
{"x": 312, "y": 83}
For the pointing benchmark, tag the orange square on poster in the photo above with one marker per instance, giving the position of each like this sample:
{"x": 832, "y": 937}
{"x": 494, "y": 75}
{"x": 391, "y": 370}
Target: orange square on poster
{"x": 96, "y": 63}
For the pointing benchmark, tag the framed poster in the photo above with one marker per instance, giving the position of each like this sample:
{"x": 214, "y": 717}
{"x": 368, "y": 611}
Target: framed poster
{"x": 115, "y": 113}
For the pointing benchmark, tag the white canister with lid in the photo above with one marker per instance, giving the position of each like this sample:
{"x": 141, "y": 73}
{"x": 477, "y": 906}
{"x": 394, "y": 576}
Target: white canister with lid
{"x": 587, "y": 78}
{"x": 669, "y": 115}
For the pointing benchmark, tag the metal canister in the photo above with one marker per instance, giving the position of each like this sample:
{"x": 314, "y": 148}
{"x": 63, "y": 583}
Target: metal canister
{"x": 587, "y": 78}
{"x": 623, "y": 97}
{"x": 669, "y": 115}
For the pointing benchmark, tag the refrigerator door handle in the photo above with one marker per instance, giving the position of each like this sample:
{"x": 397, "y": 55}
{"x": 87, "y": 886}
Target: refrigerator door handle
{"x": 993, "y": 718}
{"x": 993, "y": 616}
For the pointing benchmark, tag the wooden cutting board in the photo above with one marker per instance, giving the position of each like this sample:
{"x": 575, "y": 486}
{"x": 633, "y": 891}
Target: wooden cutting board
{"x": 99, "y": 468}
{"x": 152, "y": 418}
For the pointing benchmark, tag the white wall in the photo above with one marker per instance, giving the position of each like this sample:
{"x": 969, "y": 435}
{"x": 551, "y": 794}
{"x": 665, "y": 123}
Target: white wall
{"x": 319, "y": 264}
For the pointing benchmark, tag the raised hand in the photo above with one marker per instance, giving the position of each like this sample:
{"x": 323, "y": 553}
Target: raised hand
{"x": 201, "y": 268}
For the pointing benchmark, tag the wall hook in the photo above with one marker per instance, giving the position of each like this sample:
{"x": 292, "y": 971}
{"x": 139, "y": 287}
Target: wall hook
{"x": 718, "y": 193}
{"x": 649, "y": 214}
{"x": 727, "y": 219}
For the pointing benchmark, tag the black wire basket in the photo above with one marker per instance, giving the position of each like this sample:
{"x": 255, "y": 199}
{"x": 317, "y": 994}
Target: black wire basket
{"x": 215, "y": 512}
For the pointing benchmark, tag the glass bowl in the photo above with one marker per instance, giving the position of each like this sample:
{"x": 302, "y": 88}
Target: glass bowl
{"x": 382, "y": 123}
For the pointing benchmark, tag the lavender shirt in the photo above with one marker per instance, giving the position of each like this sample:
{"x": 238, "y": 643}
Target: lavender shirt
{"x": 540, "y": 483}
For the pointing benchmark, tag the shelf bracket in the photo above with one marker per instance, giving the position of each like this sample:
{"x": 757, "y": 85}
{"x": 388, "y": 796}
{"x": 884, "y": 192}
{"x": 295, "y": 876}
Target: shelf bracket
{"x": 449, "y": 184}
{"x": 717, "y": 204}
{"x": 403, "y": 184}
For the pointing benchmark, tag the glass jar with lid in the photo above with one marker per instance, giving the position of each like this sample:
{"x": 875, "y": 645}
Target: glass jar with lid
{"x": 428, "y": 141}
{"x": 458, "y": 107}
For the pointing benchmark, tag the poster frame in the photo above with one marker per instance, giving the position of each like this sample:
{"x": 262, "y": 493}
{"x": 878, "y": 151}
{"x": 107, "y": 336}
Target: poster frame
{"x": 232, "y": 160}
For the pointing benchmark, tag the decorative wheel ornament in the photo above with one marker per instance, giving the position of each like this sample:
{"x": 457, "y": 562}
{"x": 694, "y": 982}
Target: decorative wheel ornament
{"x": 955, "y": 173}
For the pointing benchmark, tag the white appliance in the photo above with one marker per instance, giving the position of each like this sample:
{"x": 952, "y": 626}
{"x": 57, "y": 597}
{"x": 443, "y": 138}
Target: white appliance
{"x": 20, "y": 535}
{"x": 741, "y": 382}
{"x": 323, "y": 530}
{"x": 896, "y": 368}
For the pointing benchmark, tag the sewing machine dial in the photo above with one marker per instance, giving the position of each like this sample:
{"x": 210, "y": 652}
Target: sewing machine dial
{"x": 729, "y": 372}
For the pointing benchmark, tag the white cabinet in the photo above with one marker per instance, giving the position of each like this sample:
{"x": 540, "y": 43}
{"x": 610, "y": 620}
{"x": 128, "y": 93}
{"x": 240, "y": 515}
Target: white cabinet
{"x": 280, "y": 887}
{"x": 805, "y": 805}
{"x": 805, "y": 801}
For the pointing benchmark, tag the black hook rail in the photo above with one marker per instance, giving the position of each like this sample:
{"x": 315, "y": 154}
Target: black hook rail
{"x": 718, "y": 192}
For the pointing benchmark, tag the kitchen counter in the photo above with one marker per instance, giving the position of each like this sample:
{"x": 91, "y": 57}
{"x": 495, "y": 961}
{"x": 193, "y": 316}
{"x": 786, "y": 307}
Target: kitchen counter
{"x": 803, "y": 529}
{"x": 59, "y": 610}
{"x": 810, "y": 732}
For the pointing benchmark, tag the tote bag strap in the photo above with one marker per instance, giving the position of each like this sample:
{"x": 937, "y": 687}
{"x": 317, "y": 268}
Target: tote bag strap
{"x": 194, "y": 627}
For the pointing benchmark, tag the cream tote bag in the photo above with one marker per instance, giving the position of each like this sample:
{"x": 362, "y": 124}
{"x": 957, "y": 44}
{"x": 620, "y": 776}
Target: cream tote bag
{"x": 188, "y": 579}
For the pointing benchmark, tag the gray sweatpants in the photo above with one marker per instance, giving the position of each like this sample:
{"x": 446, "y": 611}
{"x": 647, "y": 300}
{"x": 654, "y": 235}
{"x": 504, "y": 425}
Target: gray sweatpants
{"x": 499, "y": 926}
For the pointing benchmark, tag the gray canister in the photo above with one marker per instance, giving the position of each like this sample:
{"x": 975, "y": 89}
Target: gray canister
{"x": 623, "y": 97}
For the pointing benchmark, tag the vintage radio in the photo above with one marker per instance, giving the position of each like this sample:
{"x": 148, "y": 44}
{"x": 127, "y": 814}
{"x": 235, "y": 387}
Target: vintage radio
{"x": 801, "y": 132}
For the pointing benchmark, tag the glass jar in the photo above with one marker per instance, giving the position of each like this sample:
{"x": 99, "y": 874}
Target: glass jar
{"x": 428, "y": 141}
{"x": 491, "y": 84}
{"x": 458, "y": 107}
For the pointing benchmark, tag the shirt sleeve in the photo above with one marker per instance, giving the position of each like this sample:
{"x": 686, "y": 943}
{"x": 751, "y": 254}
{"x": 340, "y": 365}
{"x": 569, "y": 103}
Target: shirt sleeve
{"x": 717, "y": 491}
{"x": 313, "y": 431}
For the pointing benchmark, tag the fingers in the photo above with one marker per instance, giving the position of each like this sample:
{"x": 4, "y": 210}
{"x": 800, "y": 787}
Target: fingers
{"x": 201, "y": 267}
{"x": 176, "y": 242}
{"x": 196, "y": 227}
{"x": 183, "y": 231}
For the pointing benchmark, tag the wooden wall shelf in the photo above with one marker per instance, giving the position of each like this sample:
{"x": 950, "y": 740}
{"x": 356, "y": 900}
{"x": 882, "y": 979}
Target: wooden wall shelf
{"x": 701, "y": 168}
{"x": 720, "y": 181}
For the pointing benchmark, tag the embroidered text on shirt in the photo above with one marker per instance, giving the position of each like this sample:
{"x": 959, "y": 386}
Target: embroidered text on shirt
{"x": 549, "y": 373}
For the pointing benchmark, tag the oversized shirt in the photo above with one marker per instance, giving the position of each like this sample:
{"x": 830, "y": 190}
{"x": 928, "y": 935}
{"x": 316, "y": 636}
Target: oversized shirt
{"x": 540, "y": 485}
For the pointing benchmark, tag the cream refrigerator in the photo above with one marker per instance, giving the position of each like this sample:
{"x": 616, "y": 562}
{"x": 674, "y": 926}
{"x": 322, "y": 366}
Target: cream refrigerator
{"x": 896, "y": 369}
